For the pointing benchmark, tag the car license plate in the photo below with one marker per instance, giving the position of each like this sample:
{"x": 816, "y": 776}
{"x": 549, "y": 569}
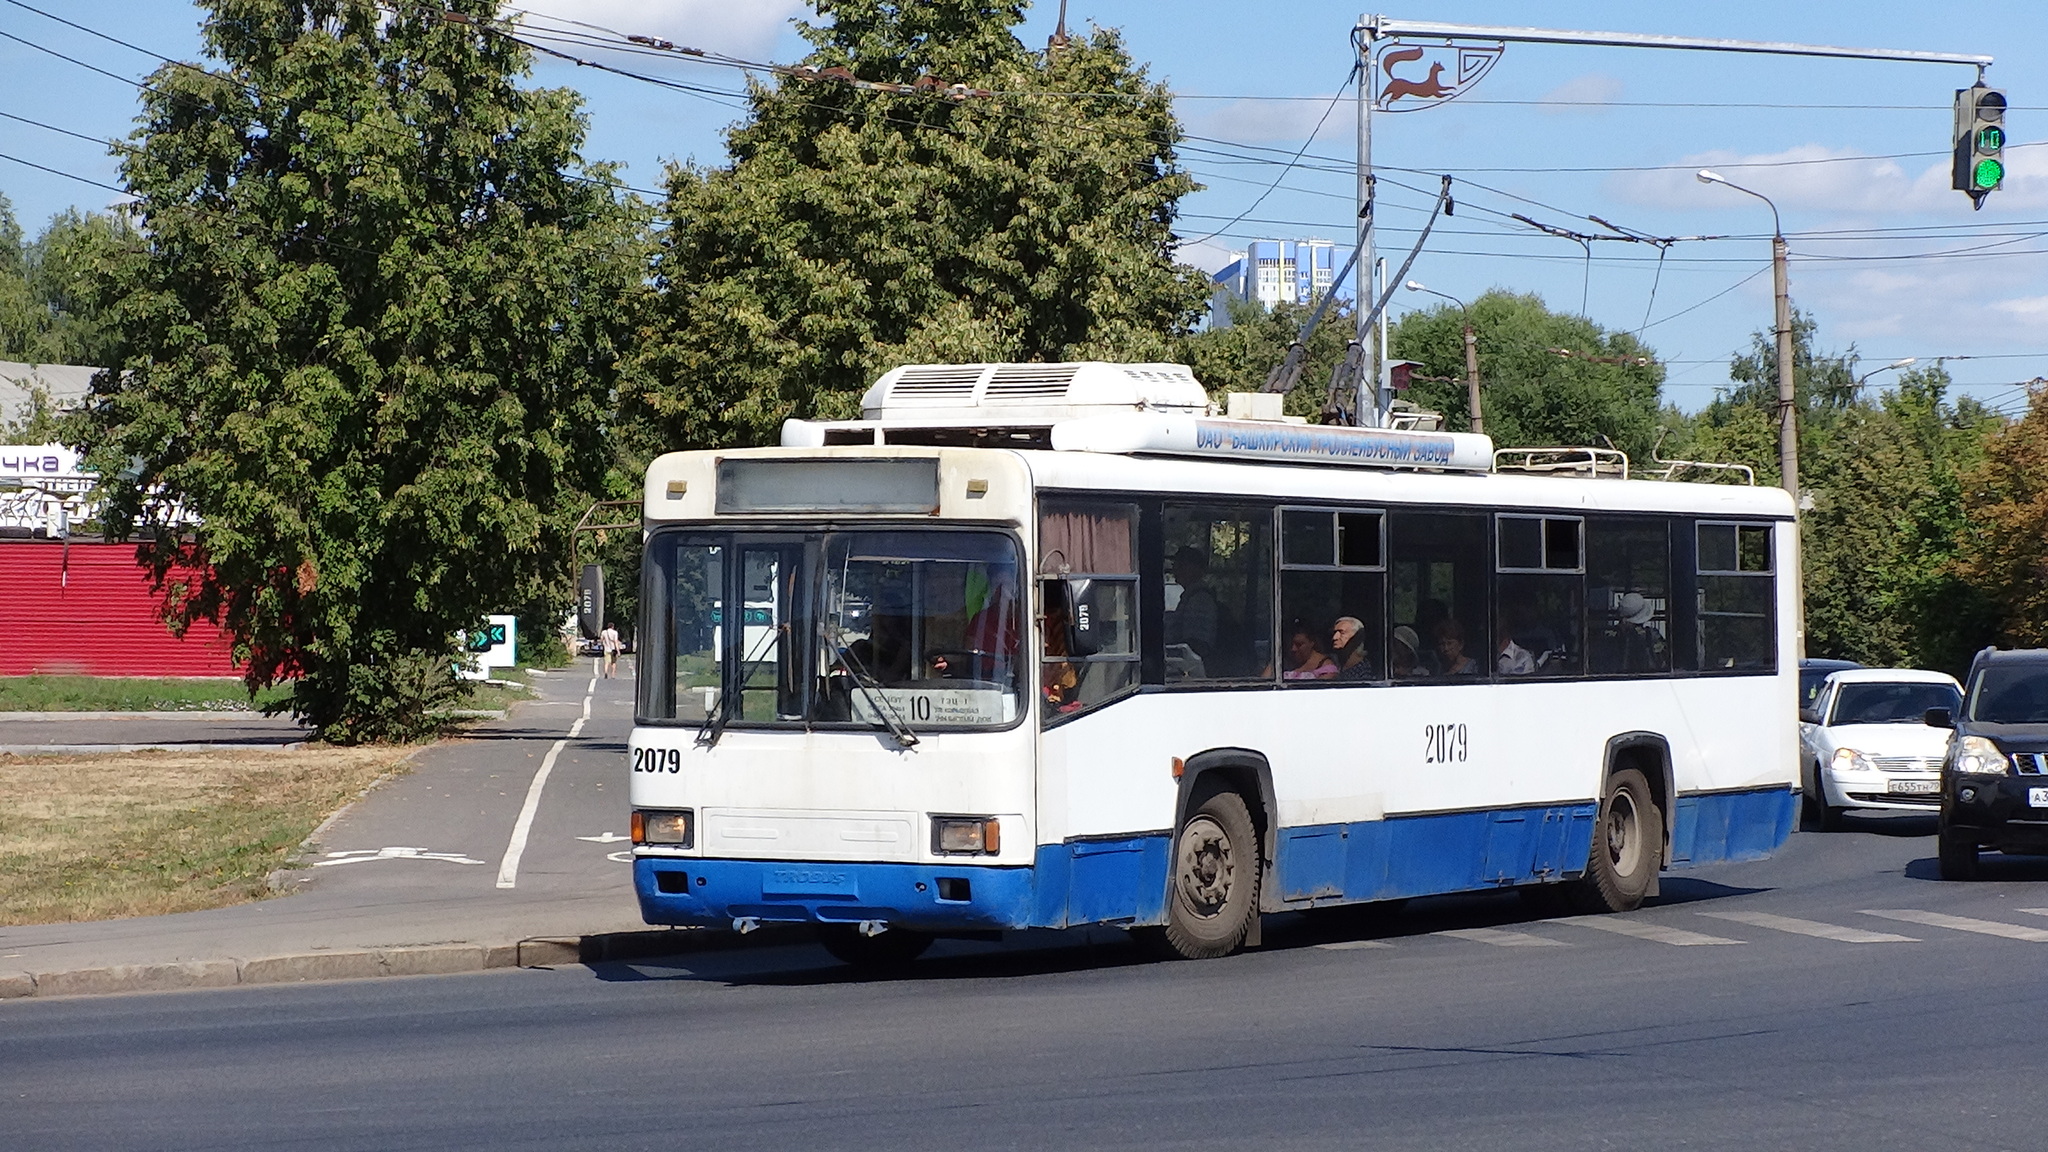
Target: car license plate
{"x": 2037, "y": 797}
{"x": 1931, "y": 787}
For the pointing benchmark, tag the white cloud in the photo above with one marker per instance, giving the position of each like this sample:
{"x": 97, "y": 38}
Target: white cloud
{"x": 1583, "y": 94}
{"x": 2031, "y": 308}
{"x": 1265, "y": 121}
{"x": 748, "y": 28}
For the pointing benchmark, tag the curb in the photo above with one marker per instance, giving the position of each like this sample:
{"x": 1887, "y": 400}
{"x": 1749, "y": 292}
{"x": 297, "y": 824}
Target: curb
{"x": 368, "y": 963}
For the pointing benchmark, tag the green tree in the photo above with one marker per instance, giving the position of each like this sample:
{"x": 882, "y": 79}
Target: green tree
{"x": 365, "y": 336}
{"x": 1741, "y": 427}
{"x": 2004, "y": 552}
{"x": 856, "y": 229}
{"x": 1529, "y": 394}
{"x": 20, "y": 321}
{"x": 61, "y": 265}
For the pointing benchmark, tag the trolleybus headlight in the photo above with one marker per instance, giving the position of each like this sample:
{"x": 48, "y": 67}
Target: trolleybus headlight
{"x": 966, "y": 835}
{"x": 1850, "y": 760}
{"x": 658, "y": 827}
{"x": 1980, "y": 757}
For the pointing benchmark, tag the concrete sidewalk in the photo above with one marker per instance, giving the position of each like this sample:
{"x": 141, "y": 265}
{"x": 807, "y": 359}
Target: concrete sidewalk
{"x": 423, "y": 875}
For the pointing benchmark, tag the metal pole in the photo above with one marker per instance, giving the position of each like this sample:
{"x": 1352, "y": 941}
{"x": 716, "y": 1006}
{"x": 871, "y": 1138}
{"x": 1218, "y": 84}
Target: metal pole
{"x": 1386, "y": 395}
{"x": 1383, "y": 26}
{"x": 1788, "y": 419}
{"x": 1472, "y": 377}
{"x": 1361, "y": 38}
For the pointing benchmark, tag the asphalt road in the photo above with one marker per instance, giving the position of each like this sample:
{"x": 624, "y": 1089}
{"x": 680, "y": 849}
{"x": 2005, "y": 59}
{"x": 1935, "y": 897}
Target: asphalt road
{"x": 1756, "y": 1006}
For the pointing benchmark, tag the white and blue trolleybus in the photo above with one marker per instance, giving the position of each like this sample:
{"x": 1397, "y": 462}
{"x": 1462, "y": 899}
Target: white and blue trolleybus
{"x": 1047, "y": 645}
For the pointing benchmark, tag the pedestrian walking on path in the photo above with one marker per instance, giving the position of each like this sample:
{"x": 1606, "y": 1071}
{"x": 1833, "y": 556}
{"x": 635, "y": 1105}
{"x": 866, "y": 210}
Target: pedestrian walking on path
{"x": 609, "y": 638}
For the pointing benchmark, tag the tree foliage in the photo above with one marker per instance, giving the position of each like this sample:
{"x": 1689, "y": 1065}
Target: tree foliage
{"x": 1239, "y": 356}
{"x": 365, "y": 337}
{"x": 2004, "y": 554}
{"x": 1530, "y": 395}
{"x": 47, "y": 315}
{"x": 855, "y": 230}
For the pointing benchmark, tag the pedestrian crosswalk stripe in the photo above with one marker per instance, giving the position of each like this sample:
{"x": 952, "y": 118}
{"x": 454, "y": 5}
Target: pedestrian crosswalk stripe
{"x": 1347, "y": 945}
{"x": 1642, "y": 930}
{"x": 1812, "y": 928}
{"x": 1962, "y": 924}
{"x": 1502, "y": 939}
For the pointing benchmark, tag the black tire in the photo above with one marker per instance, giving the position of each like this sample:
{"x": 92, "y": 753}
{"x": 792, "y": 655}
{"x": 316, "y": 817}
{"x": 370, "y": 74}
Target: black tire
{"x": 1831, "y": 818}
{"x": 890, "y": 950}
{"x": 1812, "y": 801}
{"x": 1955, "y": 854}
{"x": 1214, "y": 883}
{"x": 1628, "y": 840}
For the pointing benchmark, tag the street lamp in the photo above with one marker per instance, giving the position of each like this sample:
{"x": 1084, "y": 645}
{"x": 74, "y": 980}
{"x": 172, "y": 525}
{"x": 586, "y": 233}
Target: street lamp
{"x": 1788, "y": 427}
{"x": 1471, "y": 354}
{"x": 1908, "y": 362}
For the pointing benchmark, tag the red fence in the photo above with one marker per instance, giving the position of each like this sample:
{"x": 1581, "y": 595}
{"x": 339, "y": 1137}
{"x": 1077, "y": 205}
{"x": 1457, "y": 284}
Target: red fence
{"x": 93, "y": 613}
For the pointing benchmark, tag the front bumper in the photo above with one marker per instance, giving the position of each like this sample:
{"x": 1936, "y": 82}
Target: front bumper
{"x": 934, "y": 896}
{"x": 1846, "y": 788}
{"x": 1998, "y": 811}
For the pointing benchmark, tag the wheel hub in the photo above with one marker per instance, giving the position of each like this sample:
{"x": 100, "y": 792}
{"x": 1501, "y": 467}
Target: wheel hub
{"x": 1206, "y": 867}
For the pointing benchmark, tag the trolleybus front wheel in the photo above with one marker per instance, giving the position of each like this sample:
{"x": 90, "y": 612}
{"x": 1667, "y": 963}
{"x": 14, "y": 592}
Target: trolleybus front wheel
{"x": 1215, "y": 890}
{"x": 1627, "y": 843}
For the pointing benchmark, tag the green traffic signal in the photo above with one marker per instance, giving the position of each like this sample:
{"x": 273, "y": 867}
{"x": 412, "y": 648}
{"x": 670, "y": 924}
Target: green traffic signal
{"x": 1990, "y": 139}
{"x": 1988, "y": 173}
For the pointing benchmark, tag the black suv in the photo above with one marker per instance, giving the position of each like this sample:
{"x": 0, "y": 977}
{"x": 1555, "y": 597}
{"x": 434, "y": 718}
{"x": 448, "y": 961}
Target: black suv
{"x": 1994, "y": 780}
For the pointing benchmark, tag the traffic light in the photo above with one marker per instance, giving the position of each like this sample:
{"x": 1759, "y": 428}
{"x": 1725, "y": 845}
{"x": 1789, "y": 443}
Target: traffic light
{"x": 1980, "y": 142}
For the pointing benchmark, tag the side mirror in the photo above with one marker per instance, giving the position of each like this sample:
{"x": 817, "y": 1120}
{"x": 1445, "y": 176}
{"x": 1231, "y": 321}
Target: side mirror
{"x": 1940, "y": 718}
{"x": 1070, "y": 606}
{"x": 1808, "y": 716}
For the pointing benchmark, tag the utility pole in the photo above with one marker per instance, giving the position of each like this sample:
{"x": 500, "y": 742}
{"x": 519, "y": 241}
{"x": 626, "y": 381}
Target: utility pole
{"x": 1472, "y": 378}
{"x": 1788, "y": 412}
{"x": 1375, "y": 414}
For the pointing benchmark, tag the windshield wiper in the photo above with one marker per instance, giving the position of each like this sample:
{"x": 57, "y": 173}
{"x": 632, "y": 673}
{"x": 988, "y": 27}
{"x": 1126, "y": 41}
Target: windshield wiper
{"x": 861, "y": 677}
{"x": 707, "y": 736}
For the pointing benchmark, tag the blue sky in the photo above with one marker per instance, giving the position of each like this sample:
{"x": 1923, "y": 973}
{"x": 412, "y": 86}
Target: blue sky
{"x": 1556, "y": 133}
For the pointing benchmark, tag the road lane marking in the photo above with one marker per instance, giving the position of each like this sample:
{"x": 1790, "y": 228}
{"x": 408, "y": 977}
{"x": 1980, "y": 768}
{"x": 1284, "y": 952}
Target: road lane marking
{"x": 2033, "y": 911}
{"x": 1813, "y": 928}
{"x": 1500, "y": 938}
{"x": 1348, "y": 945}
{"x": 1641, "y": 930}
{"x": 508, "y": 872}
{"x": 365, "y": 855}
{"x": 1962, "y": 924}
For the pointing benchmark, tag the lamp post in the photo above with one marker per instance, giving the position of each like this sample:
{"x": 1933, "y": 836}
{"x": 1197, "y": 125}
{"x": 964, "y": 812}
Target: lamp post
{"x": 1788, "y": 423}
{"x": 1908, "y": 362}
{"x": 1471, "y": 354}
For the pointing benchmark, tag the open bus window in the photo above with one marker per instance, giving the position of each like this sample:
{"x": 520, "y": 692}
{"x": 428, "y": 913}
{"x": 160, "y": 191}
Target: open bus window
{"x": 922, "y": 627}
{"x": 1439, "y": 569}
{"x": 1332, "y": 596}
{"x": 1737, "y": 617}
{"x": 1089, "y": 590}
{"x": 1219, "y": 592}
{"x": 1628, "y": 593}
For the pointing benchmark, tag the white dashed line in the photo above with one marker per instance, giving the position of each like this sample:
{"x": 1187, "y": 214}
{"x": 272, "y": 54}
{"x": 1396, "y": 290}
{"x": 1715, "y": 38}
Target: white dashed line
{"x": 1962, "y": 924}
{"x": 1656, "y": 933}
{"x": 1812, "y": 928}
{"x": 1348, "y": 945}
{"x": 1500, "y": 938}
{"x": 508, "y": 872}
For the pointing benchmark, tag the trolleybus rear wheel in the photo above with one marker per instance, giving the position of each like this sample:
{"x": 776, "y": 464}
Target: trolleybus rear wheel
{"x": 1215, "y": 890}
{"x": 1627, "y": 841}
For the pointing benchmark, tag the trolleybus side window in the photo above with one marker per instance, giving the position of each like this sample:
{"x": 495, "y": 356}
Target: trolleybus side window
{"x": 1088, "y": 576}
{"x": 1332, "y": 596}
{"x": 1737, "y": 624}
{"x": 1439, "y": 571}
{"x": 1628, "y": 594}
{"x": 1539, "y": 616}
{"x": 1219, "y": 592}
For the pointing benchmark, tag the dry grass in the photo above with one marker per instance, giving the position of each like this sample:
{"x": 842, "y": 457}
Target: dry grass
{"x": 145, "y": 833}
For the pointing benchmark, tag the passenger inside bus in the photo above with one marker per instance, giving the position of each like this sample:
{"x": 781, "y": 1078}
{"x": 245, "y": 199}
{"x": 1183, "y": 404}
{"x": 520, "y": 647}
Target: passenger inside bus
{"x": 1306, "y": 659}
{"x": 1348, "y": 634}
{"x": 1193, "y": 620}
{"x": 1402, "y": 653}
{"x": 1450, "y": 650}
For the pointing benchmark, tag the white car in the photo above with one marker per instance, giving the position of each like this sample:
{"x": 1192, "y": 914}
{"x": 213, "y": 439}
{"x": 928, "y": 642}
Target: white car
{"x": 1865, "y": 742}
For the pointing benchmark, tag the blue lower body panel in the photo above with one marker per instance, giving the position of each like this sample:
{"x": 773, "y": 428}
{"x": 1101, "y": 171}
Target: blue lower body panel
{"x": 1124, "y": 880}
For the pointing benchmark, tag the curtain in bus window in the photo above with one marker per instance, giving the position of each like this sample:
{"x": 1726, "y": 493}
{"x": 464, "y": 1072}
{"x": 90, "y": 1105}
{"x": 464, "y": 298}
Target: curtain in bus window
{"x": 1332, "y": 597}
{"x": 1737, "y": 598}
{"x": 1089, "y": 581}
{"x": 1219, "y": 592}
{"x": 1439, "y": 571}
{"x": 1628, "y": 595}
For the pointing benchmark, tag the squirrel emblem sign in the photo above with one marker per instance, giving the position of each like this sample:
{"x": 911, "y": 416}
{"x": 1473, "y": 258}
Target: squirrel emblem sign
{"x": 1422, "y": 69}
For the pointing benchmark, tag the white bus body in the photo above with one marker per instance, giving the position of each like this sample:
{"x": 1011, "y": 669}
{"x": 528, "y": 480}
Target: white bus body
{"x": 963, "y": 791}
